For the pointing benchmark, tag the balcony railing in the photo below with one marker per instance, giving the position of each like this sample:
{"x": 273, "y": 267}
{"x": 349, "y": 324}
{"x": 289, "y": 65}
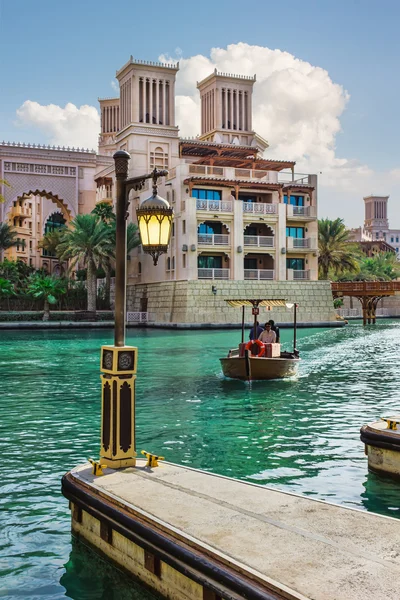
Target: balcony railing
{"x": 21, "y": 211}
{"x": 259, "y": 274}
{"x": 259, "y": 208}
{"x": 259, "y": 241}
{"x": 252, "y": 174}
{"x": 301, "y": 243}
{"x": 298, "y": 275}
{"x": 213, "y": 239}
{"x": 214, "y": 205}
{"x": 213, "y": 273}
{"x": 206, "y": 170}
{"x": 301, "y": 211}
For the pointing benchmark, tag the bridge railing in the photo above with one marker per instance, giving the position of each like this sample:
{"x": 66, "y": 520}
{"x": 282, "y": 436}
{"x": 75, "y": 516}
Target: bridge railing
{"x": 365, "y": 286}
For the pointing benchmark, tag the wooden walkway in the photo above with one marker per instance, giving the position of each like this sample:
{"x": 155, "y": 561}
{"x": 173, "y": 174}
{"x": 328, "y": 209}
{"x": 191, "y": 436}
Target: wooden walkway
{"x": 280, "y": 545}
{"x": 368, "y": 293}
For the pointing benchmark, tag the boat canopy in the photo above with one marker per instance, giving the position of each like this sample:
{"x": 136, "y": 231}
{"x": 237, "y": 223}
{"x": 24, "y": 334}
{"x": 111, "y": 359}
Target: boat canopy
{"x": 256, "y": 303}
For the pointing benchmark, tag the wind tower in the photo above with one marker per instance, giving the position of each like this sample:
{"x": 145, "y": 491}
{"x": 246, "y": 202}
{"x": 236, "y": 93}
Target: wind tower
{"x": 147, "y": 127}
{"x": 376, "y": 222}
{"x": 226, "y": 110}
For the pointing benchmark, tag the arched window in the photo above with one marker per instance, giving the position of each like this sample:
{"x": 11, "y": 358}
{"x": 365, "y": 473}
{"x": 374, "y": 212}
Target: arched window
{"x": 158, "y": 159}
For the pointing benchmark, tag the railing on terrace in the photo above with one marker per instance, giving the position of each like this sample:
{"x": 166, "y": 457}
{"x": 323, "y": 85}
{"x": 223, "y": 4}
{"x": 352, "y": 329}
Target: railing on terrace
{"x": 214, "y": 205}
{"x": 259, "y": 274}
{"x": 365, "y": 286}
{"x": 301, "y": 243}
{"x": 259, "y": 208}
{"x": 297, "y": 275}
{"x": 206, "y": 170}
{"x": 252, "y": 174}
{"x": 294, "y": 178}
{"x": 171, "y": 173}
{"x": 260, "y": 241}
{"x": 213, "y": 273}
{"x": 357, "y": 312}
{"x": 301, "y": 211}
{"x": 213, "y": 239}
{"x": 137, "y": 317}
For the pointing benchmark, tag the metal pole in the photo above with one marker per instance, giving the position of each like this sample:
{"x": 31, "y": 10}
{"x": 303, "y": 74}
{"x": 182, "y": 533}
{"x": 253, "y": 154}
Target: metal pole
{"x": 295, "y": 327}
{"x": 242, "y": 324}
{"x": 121, "y": 159}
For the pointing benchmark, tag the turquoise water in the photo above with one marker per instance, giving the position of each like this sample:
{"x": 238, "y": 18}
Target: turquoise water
{"x": 300, "y": 435}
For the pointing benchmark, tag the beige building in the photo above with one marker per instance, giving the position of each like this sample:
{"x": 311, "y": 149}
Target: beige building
{"x": 237, "y": 216}
{"x": 48, "y": 187}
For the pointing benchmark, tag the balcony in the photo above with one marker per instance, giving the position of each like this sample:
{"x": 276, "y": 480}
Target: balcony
{"x": 259, "y": 208}
{"x": 299, "y": 244}
{"x": 306, "y": 213}
{"x": 213, "y": 273}
{"x": 259, "y": 274}
{"x": 297, "y": 275}
{"x": 21, "y": 211}
{"x": 214, "y": 205}
{"x": 259, "y": 241}
{"x": 213, "y": 239}
{"x": 21, "y": 230}
{"x": 232, "y": 173}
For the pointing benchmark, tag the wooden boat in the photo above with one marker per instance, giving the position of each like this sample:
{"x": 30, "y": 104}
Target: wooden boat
{"x": 258, "y": 361}
{"x": 382, "y": 445}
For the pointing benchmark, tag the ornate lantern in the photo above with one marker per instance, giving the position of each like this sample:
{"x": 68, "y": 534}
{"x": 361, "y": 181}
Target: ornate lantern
{"x": 154, "y": 217}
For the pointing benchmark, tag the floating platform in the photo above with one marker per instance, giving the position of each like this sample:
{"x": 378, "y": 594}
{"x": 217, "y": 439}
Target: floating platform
{"x": 192, "y": 535}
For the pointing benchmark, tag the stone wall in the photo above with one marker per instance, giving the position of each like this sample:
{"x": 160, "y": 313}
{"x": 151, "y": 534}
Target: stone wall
{"x": 194, "y": 303}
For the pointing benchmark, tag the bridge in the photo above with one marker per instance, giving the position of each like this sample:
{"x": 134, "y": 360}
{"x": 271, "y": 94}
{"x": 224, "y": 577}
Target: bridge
{"x": 368, "y": 293}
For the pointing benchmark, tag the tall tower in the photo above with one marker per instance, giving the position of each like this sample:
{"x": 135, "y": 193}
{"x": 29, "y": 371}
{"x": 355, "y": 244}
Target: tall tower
{"x": 376, "y": 222}
{"x": 226, "y": 110}
{"x": 147, "y": 110}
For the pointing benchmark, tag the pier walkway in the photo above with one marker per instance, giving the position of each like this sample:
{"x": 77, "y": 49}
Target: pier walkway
{"x": 194, "y": 535}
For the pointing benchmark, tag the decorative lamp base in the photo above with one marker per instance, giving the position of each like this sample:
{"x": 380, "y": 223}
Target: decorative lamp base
{"x": 117, "y": 447}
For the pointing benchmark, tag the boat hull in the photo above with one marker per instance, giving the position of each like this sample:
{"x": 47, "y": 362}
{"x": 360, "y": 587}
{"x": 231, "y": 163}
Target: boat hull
{"x": 382, "y": 446}
{"x": 254, "y": 368}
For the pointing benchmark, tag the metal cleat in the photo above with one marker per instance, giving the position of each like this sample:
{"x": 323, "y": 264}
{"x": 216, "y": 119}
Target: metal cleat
{"x": 97, "y": 467}
{"x": 152, "y": 459}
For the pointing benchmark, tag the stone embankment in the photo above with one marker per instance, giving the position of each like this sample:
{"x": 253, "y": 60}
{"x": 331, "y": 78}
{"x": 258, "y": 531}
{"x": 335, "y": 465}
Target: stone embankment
{"x": 201, "y": 303}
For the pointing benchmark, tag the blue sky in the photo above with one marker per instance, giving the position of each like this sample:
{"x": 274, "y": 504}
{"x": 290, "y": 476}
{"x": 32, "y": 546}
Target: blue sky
{"x": 59, "y": 52}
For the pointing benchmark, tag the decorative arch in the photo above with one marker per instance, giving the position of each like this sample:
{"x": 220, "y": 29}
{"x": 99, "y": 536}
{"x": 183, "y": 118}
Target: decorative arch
{"x": 228, "y": 226}
{"x": 66, "y": 209}
{"x": 258, "y": 224}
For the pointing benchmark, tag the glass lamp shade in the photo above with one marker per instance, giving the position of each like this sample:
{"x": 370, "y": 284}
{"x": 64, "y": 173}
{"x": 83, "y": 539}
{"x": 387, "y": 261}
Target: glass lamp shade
{"x": 154, "y": 217}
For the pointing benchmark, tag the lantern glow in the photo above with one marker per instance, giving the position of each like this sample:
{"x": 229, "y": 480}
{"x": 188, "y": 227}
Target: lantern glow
{"x": 155, "y": 224}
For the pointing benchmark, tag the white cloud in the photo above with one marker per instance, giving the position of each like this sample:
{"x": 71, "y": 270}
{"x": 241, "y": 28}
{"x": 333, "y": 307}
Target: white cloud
{"x": 296, "y": 107}
{"x": 68, "y": 126}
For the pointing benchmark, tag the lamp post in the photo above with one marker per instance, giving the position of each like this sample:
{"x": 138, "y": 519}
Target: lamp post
{"x": 119, "y": 362}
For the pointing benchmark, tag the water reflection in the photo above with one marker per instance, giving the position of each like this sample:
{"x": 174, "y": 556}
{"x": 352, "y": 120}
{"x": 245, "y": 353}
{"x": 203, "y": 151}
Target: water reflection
{"x": 89, "y": 577}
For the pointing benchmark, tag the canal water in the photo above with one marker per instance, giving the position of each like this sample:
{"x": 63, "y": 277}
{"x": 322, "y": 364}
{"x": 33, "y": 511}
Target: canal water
{"x": 300, "y": 435}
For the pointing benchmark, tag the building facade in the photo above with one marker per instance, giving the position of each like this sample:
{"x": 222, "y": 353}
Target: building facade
{"x": 376, "y": 224}
{"x": 48, "y": 186}
{"x": 237, "y": 216}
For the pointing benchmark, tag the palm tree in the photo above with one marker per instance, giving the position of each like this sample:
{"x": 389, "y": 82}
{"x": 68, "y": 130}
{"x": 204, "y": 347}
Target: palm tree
{"x": 383, "y": 266}
{"x": 336, "y": 253}
{"x": 8, "y": 237}
{"x": 46, "y": 288}
{"x": 6, "y": 290}
{"x": 105, "y": 212}
{"x": 3, "y": 182}
{"x": 86, "y": 241}
{"x": 51, "y": 241}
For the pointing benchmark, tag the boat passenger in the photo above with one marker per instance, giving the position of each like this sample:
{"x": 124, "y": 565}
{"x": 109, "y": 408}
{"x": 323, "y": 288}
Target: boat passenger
{"x": 258, "y": 332}
{"x": 276, "y": 329}
{"x": 267, "y": 336}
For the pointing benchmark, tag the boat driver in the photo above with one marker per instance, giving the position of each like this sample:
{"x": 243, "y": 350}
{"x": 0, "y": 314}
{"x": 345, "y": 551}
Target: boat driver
{"x": 267, "y": 336}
